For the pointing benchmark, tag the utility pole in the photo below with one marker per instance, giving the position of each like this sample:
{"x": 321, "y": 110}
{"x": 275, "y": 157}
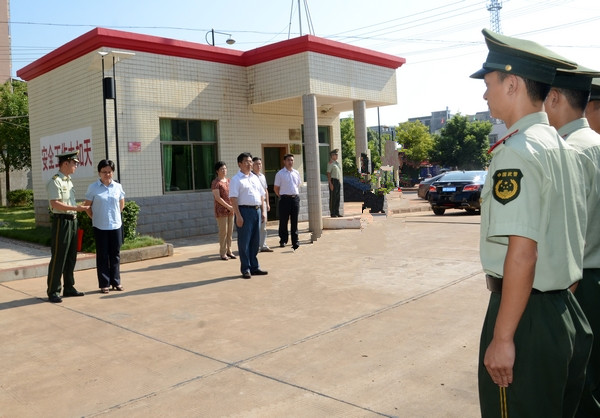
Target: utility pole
{"x": 494, "y": 7}
{"x": 311, "y": 29}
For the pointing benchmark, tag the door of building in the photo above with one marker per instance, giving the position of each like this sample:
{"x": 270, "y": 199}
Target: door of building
{"x": 272, "y": 163}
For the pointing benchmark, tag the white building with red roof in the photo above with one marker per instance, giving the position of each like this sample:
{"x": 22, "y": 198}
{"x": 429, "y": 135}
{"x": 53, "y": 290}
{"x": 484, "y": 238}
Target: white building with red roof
{"x": 174, "y": 108}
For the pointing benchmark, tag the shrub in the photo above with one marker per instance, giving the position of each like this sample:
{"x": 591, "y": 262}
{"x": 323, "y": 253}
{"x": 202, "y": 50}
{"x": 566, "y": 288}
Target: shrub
{"x": 21, "y": 197}
{"x": 129, "y": 217}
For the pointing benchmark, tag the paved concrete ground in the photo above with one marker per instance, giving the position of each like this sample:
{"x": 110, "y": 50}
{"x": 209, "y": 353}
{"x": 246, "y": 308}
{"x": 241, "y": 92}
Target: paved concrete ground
{"x": 382, "y": 321}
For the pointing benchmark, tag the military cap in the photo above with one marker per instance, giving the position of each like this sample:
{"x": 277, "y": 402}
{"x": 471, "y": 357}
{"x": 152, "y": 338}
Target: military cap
{"x": 69, "y": 155}
{"x": 577, "y": 79}
{"x": 334, "y": 152}
{"x": 524, "y": 58}
{"x": 595, "y": 94}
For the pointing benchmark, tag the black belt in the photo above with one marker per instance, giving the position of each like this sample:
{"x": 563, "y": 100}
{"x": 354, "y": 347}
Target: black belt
{"x": 249, "y": 206}
{"x": 291, "y": 196}
{"x": 494, "y": 285}
{"x": 65, "y": 216}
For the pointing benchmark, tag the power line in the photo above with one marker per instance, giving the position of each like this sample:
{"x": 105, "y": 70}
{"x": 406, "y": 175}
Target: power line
{"x": 430, "y": 26}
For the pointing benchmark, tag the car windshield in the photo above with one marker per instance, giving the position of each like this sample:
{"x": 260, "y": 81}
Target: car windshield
{"x": 430, "y": 179}
{"x": 474, "y": 176}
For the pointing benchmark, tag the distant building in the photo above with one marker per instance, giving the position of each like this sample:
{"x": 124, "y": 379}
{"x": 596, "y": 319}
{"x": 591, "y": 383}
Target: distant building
{"x": 385, "y": 130}
{"x": 18, "y": 179}
{"x": 6, "y": 63}
{"x": 435, "y": 122}
{"x": 438, "y": 120}
{"x": 498, "y": 126}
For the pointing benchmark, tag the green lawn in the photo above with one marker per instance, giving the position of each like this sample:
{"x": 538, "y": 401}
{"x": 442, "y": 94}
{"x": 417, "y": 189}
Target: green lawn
{"x": 19, "y": 223}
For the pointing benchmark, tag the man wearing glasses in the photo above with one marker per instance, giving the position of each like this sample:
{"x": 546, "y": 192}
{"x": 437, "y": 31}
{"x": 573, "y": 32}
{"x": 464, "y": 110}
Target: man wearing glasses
{"x": 63, "y": 244}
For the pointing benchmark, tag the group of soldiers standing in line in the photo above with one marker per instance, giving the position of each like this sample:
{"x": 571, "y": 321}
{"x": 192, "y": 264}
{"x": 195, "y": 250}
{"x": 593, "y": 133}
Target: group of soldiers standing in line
{"x": 540, "y": 235}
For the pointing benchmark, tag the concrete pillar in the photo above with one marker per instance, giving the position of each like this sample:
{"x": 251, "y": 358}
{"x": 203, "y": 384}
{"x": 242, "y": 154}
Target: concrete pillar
{"x": 312, "y": 169}
{"x": 360, "y": 128}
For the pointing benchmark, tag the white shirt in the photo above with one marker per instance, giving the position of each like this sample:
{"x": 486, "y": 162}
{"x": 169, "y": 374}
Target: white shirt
{"x": 288, "y": 181}
{"x": 263, "y": 180}
{"x": 247, "y": 189}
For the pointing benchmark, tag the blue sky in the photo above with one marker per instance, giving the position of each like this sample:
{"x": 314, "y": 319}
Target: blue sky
{"x": 440, "y": 39}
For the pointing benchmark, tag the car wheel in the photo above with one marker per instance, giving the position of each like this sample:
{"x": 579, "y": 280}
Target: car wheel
{"x": 439, "y": 211}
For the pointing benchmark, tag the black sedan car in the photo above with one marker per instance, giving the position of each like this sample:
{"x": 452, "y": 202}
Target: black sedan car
{"x": 423, "y": 188}
{"x": 457, "y": 190}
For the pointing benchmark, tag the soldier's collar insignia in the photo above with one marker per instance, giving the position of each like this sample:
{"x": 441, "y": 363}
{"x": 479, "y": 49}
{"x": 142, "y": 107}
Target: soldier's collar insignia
{"x": 502, "y": 141}
{"x": 507, "y": 185}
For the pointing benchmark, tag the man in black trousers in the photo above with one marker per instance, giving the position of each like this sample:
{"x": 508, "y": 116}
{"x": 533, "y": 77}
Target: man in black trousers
{"x": 287, "y": 184}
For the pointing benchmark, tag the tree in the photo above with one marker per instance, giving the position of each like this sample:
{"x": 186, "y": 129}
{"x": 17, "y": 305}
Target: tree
{"x": 463, "y": 144}
{"x": 15, "y": 149}
{"x": 373, "y": 145}
{"x": 416, "y": 142}
{"x": 348, "y": 147}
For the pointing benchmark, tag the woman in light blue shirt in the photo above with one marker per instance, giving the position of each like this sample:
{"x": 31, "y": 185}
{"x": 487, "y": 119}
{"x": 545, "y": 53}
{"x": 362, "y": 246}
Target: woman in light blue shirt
{"x": 107, "y": 200}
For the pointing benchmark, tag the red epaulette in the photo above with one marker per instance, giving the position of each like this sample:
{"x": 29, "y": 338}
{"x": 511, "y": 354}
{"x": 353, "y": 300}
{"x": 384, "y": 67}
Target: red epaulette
{"x": 502, "y": 141}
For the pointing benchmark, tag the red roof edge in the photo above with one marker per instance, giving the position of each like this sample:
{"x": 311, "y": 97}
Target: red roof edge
{"x": 107, "y": 38}
{"x": 310, "y": 43}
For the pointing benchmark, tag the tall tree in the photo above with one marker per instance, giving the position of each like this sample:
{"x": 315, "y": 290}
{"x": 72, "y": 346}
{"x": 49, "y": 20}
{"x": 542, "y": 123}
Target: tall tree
{"x": 463, "y": 144}
{"x": 15, "y": 149}
{"x": 416, "y": 142}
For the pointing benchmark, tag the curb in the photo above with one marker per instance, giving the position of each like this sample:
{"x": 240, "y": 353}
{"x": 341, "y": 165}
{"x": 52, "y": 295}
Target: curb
{"x": 87, "y": 261}
{"x": 420, "y": 208}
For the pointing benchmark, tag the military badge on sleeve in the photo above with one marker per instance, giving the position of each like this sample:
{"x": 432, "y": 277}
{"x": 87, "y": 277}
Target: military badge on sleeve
{"x": 507, "y": 185}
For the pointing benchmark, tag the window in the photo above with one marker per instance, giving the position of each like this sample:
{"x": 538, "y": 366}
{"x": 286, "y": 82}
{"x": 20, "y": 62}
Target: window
{"x": 324, "y": 133}
{"x": 189, "y": 152}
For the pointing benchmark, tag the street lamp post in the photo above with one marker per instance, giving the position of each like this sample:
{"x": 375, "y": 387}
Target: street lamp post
{"x": 229, "y": 41}
{"x": 109, "y": 91}
{"x": 102, "y": 53}
{"x": 116, "y": 125}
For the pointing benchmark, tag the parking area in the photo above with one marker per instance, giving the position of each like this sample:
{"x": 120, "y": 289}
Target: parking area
{"x": 380, "y": 321}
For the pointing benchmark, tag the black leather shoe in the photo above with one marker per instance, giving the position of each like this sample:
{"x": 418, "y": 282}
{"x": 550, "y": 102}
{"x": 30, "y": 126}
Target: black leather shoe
{"x": 246, "y": 275}
{"x": 54, "y": 299}
{"x": 259, "y": 272}
{"x": 295, "y": 246}
{"x": 281, "y": 244}
{"x": 73, "y": 294}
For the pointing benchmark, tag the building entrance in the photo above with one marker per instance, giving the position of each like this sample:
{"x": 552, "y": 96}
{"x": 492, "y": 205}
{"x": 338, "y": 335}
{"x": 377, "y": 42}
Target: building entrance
{"x": 272, "y": 163}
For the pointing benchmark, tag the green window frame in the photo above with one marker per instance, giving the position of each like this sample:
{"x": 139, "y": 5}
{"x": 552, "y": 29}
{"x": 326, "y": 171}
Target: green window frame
{"x": 324, "y": 133}
{"x": 188, "y": 152}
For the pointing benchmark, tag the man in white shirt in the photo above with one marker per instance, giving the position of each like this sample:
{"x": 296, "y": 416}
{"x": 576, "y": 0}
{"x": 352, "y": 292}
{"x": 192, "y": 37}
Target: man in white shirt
{"x": 256, "y": 169}
{"x": 287, "y": 186}
{"x": 247, "y": 198}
